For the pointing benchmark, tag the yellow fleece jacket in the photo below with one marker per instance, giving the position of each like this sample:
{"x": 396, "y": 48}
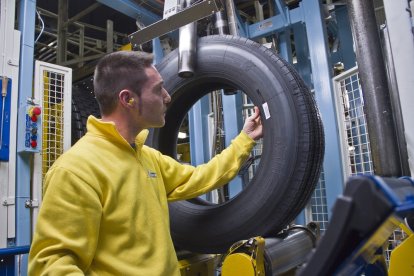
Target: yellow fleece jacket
{"x": 105, "y": 210}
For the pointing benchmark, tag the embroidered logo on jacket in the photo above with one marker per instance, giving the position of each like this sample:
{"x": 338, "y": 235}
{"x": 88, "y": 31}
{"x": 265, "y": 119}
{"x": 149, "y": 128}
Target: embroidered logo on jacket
{"x": 152, "y": 174}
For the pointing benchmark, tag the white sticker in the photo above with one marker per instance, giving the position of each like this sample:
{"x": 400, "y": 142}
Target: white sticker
{"x": 266, "y": 110}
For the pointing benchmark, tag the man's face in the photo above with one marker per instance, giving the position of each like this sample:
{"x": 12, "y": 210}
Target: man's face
{"x": 153, "y": 100}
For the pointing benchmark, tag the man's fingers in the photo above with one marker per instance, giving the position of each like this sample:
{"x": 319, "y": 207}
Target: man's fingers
{"x": 256, "y": 113}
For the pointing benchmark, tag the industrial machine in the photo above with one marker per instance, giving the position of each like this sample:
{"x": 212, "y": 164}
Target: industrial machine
{"x": 369, "y": 210}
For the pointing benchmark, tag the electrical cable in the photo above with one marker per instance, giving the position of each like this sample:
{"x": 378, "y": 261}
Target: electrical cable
{"x": 4, "y": 84}
{"x": 43, "y": 26}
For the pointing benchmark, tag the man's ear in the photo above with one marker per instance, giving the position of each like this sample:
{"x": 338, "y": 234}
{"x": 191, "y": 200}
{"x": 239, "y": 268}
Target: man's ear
{"x": 126, "y": 98}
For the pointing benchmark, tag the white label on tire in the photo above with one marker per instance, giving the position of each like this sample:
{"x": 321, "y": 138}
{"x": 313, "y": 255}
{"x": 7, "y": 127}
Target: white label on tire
{"x": 266, "y": 110}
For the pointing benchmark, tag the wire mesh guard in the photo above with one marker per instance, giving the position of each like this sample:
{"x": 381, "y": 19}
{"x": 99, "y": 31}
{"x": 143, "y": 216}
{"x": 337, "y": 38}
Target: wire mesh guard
{"x": 318, "y": 204}
{"x": 356, "y": 132}
{"x": 358, "y": 156}
{"x": 53, "y": 91}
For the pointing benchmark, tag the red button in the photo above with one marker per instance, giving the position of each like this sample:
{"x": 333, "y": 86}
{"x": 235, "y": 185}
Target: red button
{"x": 33, "y": 144}
{"x": 36, "y": 111}
{"x": 34, "y": 118}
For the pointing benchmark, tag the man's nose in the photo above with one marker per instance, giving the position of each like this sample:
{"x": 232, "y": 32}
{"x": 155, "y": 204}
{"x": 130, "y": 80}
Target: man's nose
{"x": 167, "y": 97}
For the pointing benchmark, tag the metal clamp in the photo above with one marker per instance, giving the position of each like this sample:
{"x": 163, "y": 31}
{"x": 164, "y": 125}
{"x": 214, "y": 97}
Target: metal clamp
{"x": 31, "y": 203}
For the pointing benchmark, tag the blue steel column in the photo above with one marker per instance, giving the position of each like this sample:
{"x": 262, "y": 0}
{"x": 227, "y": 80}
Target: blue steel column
{"x": 233, "y": 123}
{"x": 23, "y": 169}
{"x": 303, "y": 65}
{"x": 324, "y": 94}
{"x": 157, "y": 50}
{"x": 198, "y": 122}
{"x": 285, "y": 48}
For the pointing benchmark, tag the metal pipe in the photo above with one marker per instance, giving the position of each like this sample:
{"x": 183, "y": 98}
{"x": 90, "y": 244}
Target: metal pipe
{"x": 282, "y": 255}
{"x": 381, "y": 126}
{"x": 220, "y": 23}
{"x": 187, "y": 47}
{"x": 109, "y": 36}
{"x": 231, "y": 17}
{"x": 17, "y": 250}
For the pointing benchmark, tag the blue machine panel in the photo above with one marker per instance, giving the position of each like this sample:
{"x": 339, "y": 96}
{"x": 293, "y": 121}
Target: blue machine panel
{"x": 5, "y": 122}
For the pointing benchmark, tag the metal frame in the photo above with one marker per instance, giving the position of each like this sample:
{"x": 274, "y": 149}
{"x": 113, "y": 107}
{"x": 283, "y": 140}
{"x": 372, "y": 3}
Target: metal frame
{"x": 322, "y": 84}
{"x": 340, "y": 82}
{"x": 87, "y": 49}
{"x": 10, "y": 52}
{"x": 341, "y": 118}
{"x": 40, "y": 88}
{"x": 198, "y": 123}
{"x": 233, "y": 123}
{"x": 186, "y": 16}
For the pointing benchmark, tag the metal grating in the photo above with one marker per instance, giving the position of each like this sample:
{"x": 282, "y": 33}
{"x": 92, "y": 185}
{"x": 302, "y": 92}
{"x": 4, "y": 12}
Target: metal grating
{"x": 357, "y": 148}
{"x": 53, "y": 90}
{"x": 318, "y": 204}
{"x": 357, "y": 152}
{"x": 52, "y": 144}
{"x": 317, "y": 209}
{"x": 396, "y": 238}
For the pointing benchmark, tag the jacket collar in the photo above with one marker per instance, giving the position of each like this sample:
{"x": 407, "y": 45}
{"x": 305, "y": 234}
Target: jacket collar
{"x": 108, "y": 130}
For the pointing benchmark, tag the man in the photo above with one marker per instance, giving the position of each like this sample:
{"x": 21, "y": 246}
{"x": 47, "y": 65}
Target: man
{"x": 104, "y": 209}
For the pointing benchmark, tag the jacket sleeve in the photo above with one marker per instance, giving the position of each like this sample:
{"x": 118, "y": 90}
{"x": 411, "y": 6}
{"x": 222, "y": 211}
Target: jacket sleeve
{"x": 185, "y": 181}
{"x": 67, "y": 227}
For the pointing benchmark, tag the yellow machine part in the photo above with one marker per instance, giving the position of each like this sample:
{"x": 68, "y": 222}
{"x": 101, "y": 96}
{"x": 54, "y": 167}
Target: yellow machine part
{"x": 245, "y": 258}
{"x": 126, "y": 47}
{"x": 238, "y": 264}
{"x": 402, "y": 257}
{"x": 183, "y": 150}
{"x": 199, "y": 265}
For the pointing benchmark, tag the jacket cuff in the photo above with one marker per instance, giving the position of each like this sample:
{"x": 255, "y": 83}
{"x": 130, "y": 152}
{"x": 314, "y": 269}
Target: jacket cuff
{"x": 244, "y": 141}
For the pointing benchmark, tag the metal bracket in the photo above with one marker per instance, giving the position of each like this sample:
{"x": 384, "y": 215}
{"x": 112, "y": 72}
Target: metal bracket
{"x": 173, "y": 22}
{"x": 8, "y": 201}
{"x": 13, "y": 62}
{"x": 31, "y": 203}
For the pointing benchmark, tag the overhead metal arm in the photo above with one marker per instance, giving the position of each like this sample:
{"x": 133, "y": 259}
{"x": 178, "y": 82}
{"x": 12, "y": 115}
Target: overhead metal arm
{"x": 166, "y": 25}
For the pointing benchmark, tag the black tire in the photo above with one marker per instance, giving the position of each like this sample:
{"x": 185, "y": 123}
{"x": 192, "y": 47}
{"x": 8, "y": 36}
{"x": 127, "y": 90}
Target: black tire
{"x": 83, "y": 105}
{"x": 293, "y": 143}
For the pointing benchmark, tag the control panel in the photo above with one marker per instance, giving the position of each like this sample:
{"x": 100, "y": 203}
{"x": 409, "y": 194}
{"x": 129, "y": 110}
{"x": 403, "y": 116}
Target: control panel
{"x": 33, "y": 127}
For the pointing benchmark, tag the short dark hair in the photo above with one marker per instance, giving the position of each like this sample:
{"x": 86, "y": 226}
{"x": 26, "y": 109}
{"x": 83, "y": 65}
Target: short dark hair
{"x": 117, "y": 71}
